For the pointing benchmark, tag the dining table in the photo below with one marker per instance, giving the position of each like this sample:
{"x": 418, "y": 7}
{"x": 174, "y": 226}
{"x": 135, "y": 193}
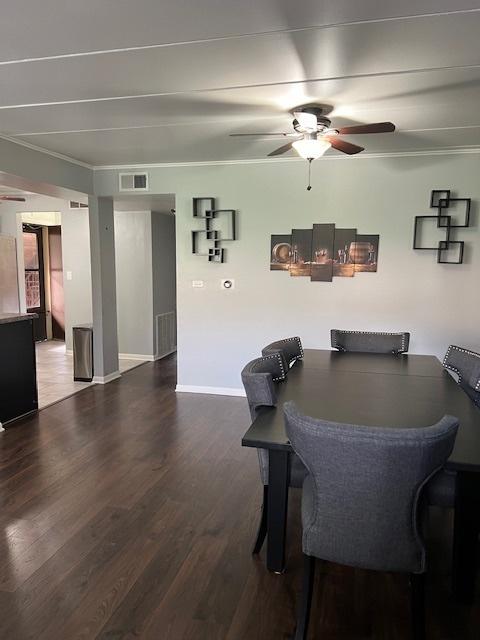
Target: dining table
{"x": 384, "y": 390}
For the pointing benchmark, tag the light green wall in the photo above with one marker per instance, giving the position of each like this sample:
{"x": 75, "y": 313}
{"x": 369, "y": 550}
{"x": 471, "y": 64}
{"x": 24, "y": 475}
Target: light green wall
{"x": 133, "y": 264}
{"x": 219, "y": 331}
{"x": 76, "y": 263}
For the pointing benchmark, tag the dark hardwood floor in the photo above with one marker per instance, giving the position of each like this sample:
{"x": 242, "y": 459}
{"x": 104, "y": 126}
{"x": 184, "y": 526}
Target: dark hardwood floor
{"x": 128, "y": 511}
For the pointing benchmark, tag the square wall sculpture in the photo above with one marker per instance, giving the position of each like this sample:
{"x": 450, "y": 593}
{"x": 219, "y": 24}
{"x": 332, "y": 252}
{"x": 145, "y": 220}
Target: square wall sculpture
{"x": 449, "y": 250}
{"x": 419, "y": 227}
{"x": 439, "y": 198}
{"x": 204, "y": 209}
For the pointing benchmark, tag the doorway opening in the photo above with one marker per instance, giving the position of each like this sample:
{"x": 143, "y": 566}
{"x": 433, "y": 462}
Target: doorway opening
{"x": 44, "y": 294}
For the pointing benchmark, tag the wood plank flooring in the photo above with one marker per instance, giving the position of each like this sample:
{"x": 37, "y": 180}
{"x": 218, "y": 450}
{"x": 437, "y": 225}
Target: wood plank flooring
{"x": 128, "y": 511}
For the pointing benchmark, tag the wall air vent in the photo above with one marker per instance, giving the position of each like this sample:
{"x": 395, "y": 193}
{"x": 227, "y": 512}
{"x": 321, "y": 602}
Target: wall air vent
{"x": 77, "y": 205}
{"x": 133, "y": 181}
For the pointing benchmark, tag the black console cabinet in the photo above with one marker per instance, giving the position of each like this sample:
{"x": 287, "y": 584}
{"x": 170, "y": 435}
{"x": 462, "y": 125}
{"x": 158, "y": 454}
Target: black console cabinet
{"x": 18, "y": 375}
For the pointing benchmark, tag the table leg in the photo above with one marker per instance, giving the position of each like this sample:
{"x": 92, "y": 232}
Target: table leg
{"x": 465, "y": 536}
{"x": 278, "y": 470}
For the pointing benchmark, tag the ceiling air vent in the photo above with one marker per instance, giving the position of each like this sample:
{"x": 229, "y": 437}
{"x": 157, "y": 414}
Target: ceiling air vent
{"x": 77, "y": 205}
{"x": 133, "y": 181}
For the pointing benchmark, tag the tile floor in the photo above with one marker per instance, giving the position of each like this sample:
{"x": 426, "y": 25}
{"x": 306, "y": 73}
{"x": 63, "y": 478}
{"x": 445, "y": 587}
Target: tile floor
{"x": 55, "y": 373}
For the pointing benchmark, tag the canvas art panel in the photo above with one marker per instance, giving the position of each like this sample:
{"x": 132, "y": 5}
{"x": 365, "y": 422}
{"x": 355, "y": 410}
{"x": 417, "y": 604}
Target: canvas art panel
{"x": 322, "y": 252}
{"x": 343, "y": 264}
{"x": 280, "y": 249}
{"x": 301, "y": 254}
{"x": 364, "y": 252}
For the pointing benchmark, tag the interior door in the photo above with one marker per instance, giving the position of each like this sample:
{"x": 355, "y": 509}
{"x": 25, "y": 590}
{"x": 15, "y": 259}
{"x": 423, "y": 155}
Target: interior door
{"x": 34, "y": 278}
{"x": 57, "y": 301}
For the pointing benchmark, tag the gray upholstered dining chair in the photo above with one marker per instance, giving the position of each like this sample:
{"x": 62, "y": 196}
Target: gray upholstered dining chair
{"x": 466, "y": 365}
{"x": 369, "y": 341}
{"x": 259, "y": 378}
{"x": 290, "y": 348}
{"x": 362, "y": 499}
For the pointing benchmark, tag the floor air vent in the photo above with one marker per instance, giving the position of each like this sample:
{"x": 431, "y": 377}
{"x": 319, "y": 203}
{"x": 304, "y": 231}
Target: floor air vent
{"x": 166, "y": 328}
{"x": 133, "y": 181}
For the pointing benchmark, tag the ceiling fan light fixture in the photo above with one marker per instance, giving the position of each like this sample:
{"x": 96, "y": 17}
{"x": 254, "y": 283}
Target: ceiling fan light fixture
{"x": 310, "y": 149}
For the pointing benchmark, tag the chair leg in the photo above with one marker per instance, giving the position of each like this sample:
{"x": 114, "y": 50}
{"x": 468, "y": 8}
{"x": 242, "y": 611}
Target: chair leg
{"x": 417, "y": 595}
{"x": 262, "y": 527}
{"x": 303, "y": 614}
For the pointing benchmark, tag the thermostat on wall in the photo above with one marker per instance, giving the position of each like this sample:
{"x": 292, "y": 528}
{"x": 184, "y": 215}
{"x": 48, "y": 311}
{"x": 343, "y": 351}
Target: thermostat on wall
{"x": 228, "y": 284}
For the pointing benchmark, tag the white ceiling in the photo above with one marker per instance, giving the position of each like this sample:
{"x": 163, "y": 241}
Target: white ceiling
{"x": 8, "y": 191}
{"x": 122, "y": 82}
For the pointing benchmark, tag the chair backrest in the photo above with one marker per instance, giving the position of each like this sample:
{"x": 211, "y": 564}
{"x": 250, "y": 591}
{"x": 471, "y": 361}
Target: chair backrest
{"x": 290, "y": 348}
{"x": 369, "y": 341}
{"x": 365, "y": 489}
{"x": 259, "y": 377}
{"x": 466, "y": 364}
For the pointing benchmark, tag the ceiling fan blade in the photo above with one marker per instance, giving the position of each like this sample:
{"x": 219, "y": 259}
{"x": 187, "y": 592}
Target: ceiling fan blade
{"x": 262, "y": 135}
{"x": 280, "y": 150}
{"x": 376, "y": 127}
{"x": 344, "y": 146}
{"x": 306, "y": 120}
{"x": 12, "y": 198}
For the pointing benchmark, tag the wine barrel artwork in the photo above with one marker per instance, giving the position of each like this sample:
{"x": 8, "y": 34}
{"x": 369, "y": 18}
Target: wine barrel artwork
{"x": 323, "y": 252}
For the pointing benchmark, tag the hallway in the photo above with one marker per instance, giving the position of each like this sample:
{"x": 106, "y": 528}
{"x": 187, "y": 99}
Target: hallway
{"x": 55, "y": 373}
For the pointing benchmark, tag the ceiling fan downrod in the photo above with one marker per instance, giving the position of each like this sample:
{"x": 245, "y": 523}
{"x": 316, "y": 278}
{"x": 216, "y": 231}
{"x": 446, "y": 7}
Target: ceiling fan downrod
{"x": 309, "y": 187}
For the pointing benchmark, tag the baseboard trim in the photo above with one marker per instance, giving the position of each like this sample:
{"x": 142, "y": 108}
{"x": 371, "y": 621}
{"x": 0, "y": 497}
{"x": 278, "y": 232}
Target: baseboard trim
{"x": 164, "y": 355}
{"x": 215, "y": 391}
{"x": 106, "y": 379}
{"x": 136, "y": 356}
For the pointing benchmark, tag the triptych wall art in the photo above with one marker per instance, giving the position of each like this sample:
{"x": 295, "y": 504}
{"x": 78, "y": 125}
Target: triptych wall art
{"x": 324, "y": 252}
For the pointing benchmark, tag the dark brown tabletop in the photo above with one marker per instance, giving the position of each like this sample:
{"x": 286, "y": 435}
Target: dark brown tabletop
{"x": 372, "y": 390}
{"x": 403, "y": 364}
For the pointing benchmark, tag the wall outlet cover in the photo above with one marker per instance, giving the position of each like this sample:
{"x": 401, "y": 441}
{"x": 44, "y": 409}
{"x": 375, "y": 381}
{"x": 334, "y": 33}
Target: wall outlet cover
{"x": 229, "y": 283}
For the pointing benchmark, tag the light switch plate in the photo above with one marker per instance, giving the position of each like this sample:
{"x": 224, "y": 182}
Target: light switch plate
{"x": 197, "y": 284}
{"x": 69, "y": 275}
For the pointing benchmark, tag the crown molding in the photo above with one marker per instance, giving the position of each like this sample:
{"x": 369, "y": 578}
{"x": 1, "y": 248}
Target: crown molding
{"x": 363, "y": 156}
{"x": 209, "y": 163}
{"x": 47, "y": 152}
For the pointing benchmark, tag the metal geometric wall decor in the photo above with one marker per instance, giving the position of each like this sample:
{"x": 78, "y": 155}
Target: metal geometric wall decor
{"x": 324, "y": 252}
{"x": 452, "y": 213}
{"x": 204, "y": 209}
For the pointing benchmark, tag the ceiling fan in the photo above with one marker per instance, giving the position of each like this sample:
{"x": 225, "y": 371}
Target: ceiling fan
{"x": 313, "y": 134}
{"x": 12, "y": 199}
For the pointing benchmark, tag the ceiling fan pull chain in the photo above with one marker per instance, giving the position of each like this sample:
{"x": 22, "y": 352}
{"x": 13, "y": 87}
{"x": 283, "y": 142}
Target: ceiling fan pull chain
{"x": 309, "y": 173}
